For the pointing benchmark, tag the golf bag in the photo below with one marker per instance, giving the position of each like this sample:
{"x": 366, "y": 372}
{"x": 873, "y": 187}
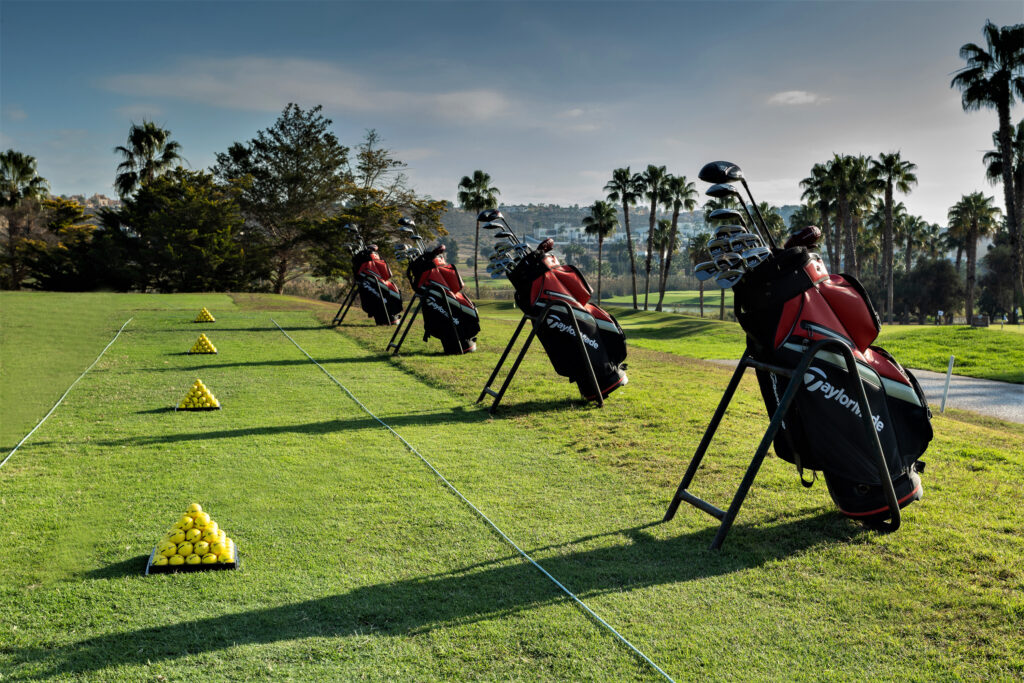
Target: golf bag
{"x": 785, "y": 305}
{"x": 448, "y": 314}
{"x": 378, "y": 295}
{"x": 539, "y": 280}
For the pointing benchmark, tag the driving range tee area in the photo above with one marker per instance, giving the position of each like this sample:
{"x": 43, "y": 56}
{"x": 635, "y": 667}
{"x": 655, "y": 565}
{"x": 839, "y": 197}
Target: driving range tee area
{"x": 359, "y": 562}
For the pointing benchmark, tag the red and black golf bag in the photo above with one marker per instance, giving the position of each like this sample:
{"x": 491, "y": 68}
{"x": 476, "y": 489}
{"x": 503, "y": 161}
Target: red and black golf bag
{"x": 448, "y": 314}
{"x": 539, "y": 282}
{"x": 787, "y": 304}
{"x": 378, "y": 295}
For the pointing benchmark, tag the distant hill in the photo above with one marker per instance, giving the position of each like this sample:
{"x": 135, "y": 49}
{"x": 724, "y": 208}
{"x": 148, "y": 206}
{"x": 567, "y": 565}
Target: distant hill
{"x": 541, "y": 219}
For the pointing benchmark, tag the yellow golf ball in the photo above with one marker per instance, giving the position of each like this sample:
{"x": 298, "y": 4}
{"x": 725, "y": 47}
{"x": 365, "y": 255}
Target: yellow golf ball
{"x": 209, "y": 558}
{"x": 210, "y": 537}
{"x": 226, "y": 558}
{"x": 185, "y": 523}
{"x": 211, "y": 528}
{"x": 201, "y": 519}
{"x": 178, "y": 537}
{"x": 167, "y": 549}
{"x": 201, "y": 548}
{"x": 176, "y": 560}
{"x": 185, "y": 548}
{"x": 218, "y": 548}
{"x": 193, "y": 559}
{"x": 194, "y": 509}
{"x": 159, "y": 561}
{"x": 193, "y": 535}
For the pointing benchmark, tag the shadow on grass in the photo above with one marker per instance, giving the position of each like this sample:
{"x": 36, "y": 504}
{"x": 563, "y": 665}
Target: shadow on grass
{"x": 419, "y": 605}
{"x": 155, "y": 411}
{"x": 324, "y": 427}
{"x": 131, "y": 567}
{"x": 255, "y": 328}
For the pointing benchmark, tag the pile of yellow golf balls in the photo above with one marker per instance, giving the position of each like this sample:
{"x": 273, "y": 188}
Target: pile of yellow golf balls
{"x": 203, "y": 345}
{"x": 195, "y": 539}
{"x": 205, "y": 317}
{"x": 198, "y": 397}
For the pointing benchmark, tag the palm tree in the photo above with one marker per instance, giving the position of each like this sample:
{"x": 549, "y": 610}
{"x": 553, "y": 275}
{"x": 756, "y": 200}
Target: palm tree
{"x": 698, "y": 251}
{"x": 993, "y": 161}
{"x": 19, "y": 179}
{"x": 475, "y": 195}
{"x": 626, "y": 187}
{"x": 806, "y": 214}
{"x": 679, "y": 194}
{"x": 602, "y": 222}
{"x": 890, "y": 172}
{"x": 993, "y": 79}
{"x": 818, "y": 189}
{"x": 653, "y": 183}
{"x": 20, "y": 185}
{"x": 150, "y": 152}
{"x": 776, "y": 223}
{"x": 974, "y": 216}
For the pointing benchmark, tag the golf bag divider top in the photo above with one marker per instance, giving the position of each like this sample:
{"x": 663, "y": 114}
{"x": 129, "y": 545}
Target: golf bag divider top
{"x": 855, "y": 389}
{"x": 448, "y": 314}
{"x": 379, "y": 296}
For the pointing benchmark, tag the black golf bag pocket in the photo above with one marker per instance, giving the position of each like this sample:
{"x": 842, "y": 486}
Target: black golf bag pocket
{"x": 380, "y": 299}
{"x": 867, "y": 502}
{"x": 454, "y": 323}
{"x": 557, "y": 334}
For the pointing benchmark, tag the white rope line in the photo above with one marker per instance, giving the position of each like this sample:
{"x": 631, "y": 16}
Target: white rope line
{"x": 61, "y": 399}
{"x": 484, "y": 517}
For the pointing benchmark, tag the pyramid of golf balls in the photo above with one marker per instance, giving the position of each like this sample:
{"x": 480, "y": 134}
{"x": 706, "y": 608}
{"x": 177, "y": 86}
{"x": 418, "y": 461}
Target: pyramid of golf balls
{"x": 195, "y": 540}
{"x": 203, "y": 345}
{"x": 199, "y": 398}
{"x": 205, "y": 317}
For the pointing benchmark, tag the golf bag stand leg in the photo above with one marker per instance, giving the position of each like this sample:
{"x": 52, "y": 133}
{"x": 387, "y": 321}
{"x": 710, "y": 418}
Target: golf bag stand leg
{"x": 414, "y": 305}
{"x": 501, "y": 361}
{"x": 727, "y": 517}
{"x": 339, "y": 317}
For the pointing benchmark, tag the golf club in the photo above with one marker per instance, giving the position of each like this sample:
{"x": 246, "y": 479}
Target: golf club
{"x": 705, "y": 271}
{"x": 729, "y": 230}
{"x": 721, "y": 172}
{"x": 718, "y": 246}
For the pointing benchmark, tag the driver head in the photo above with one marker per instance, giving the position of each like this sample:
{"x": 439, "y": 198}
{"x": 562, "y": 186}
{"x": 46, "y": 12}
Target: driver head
{"x": 721, "y": 191}
{"x": 488, "y": 215}
{"x": 731, "y": 215}
{"x": 720, "y": 172}
{"x": 407, "y": 222}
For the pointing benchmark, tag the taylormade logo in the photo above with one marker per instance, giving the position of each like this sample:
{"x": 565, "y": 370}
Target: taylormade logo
{"x": 372, "y": 289}
{"x": 439, "y": 308}
{"x": 815, "y": 380}
{"x": 556, "y": 324}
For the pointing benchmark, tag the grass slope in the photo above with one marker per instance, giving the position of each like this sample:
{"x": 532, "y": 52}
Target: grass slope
{"x": 357, "y": 563}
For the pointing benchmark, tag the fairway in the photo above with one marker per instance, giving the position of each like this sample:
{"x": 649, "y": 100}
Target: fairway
{"x": 357, "y": 562}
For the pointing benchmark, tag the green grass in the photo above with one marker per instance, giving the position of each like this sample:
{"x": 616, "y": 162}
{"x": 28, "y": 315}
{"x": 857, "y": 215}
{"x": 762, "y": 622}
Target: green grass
{"x": 986, "y": 352}
{"x": 679, "y": 297}
{"x": 357, "y": 563}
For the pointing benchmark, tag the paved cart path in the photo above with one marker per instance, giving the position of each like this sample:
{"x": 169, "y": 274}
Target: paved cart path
{"x": 1002, "y": 400}
{"x": 997, "y": 399}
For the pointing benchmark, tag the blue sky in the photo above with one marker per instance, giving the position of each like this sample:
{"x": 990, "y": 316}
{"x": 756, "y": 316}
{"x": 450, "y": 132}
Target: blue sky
{"x": 546, "y": 97}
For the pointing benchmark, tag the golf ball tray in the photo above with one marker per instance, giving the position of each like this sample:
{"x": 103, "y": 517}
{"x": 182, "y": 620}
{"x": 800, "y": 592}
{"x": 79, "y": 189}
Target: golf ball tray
{"x": 184, "y": 568}
{"x": 199, "y": 408}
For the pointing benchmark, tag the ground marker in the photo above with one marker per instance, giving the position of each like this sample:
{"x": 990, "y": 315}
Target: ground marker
{"x": 61, "y": 399}
{"x": 584, "y": 606}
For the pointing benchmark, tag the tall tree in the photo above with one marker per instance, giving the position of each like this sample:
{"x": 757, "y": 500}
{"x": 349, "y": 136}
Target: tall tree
{"x": 475, "y": 195}
{"x": 849, "y": 177}
{"x": 890, "y": 172}
{"x": 21, "y": 190}
{"x": 150, "y": 152}
{"x": 974, "y": 216}
{"x": 679, "y": 194}
{"x": 626, "y": 187}
{"x": 601, "y": 222}
{"x": 993, "y": 161}
{"x": 818, "y": 189}
{"x": 653, "y": 180}
{"x": 698, "y": 251}
{"x": 290, "y": 176}
{"x": 992, "y": 79}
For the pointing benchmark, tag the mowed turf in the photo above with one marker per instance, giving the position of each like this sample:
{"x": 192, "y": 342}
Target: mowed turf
{"x": 357, "y": 562}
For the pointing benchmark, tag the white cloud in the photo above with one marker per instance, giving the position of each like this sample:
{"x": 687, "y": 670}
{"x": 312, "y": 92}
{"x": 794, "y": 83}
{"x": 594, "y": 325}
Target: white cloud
{"x": 15, "y": 113}
{"x": 796, "y": 98}
{"x": 265, "y": 84}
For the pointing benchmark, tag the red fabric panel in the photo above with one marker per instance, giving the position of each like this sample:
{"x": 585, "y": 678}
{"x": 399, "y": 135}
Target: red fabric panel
{"x": 851, "y": 308}
{"x": 790, "y": 314}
